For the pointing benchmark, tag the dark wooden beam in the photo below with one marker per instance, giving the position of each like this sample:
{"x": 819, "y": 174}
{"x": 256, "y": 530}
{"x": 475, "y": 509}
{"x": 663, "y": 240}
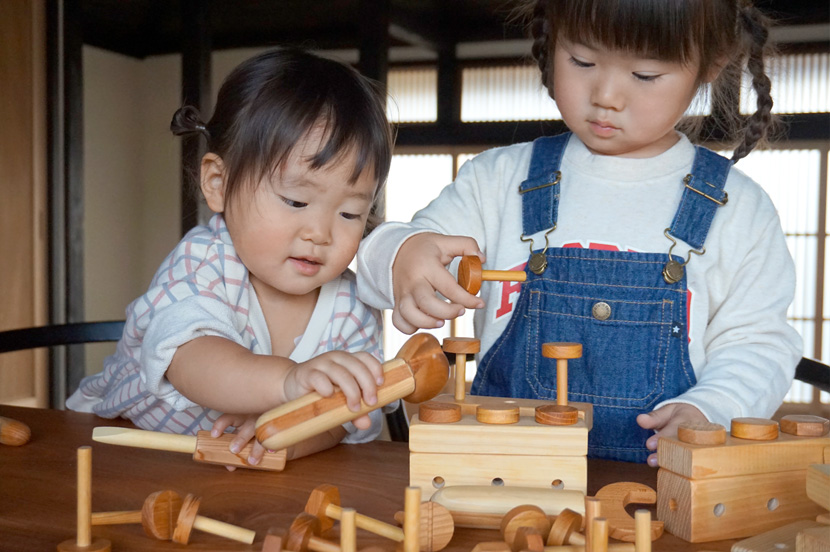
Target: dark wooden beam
{"x": 449, "y": 88}
{"x": 374, "y": 39}
{"x": 196, "y": 65}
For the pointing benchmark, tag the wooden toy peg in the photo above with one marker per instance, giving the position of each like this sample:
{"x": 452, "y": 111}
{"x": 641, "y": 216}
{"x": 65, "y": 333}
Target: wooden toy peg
{"x": 203, "y": 447}
{"x": 436, "y": 525}
{"x": 324, "y": 504}
{"x": 642, "y": 531}
{"x": 565, "y": 529}
{"x": 599, "y": 535}
{"x": 804, "y": 425}
{"x": 593, "y": 509}
{"x": 412, "y": 519}
{"x": 755, "y": 429}
{"x": 561, "y": 413}
{"x": 304, "y": 534}
{"x": 470, "y": 274}
{"x": 348, "y": 530}
{"x": 615, "y": 497}
{"x": 189, "y": 519}
{"x": 461, "y": 347}
{"x": 83, "y": 541}
{"x": 438, "y": 412}
{"x": 526, "y": 516}
{"x": 417, "y": 374}
{"x": 14, "y": 433}
{"x": 158, "y": 515}
{"x": 701, "y": 433}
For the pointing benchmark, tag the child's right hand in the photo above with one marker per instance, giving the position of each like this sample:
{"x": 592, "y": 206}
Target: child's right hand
{"x": 356, "y": 374}
{"x": 419, "y": 271}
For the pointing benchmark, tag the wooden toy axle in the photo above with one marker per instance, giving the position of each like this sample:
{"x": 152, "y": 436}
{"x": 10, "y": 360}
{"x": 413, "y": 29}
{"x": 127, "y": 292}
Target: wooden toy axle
{"x": 561, "y": 413}
{"x": 418, "y": 373}
{"x": 461, "y": 347}
{"x": 470, "y": 274}
{"x": 83, "y": 540}
{"x": 14, "y": 433}
{"x": 189, "y": 519}
{"x": 202, "y": 446}
{"x": 157, "y": 516}
{"x": 304, "y": 534}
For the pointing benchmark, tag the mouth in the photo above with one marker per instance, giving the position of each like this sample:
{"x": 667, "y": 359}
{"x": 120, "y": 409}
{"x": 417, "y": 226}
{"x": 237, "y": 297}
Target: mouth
{"x": 308, "y": 266}
{"x": 312, "y": 261}
{"x": 603, "y": 128}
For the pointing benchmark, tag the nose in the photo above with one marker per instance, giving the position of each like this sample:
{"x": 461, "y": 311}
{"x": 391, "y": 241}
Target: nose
{"x": 607, "y": 93}
{"x": 317, "y": 230}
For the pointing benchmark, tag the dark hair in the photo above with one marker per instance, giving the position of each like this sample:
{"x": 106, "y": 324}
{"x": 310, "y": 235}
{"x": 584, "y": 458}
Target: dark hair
{"x": 711, "y": 31}
{"x": 270, "y": 102}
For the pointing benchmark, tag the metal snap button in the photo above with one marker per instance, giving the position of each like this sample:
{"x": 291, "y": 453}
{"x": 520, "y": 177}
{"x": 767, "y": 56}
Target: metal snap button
{"x": 601, "y": 311}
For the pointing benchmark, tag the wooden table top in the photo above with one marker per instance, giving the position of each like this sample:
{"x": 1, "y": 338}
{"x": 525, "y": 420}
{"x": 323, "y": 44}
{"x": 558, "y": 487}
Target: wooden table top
{"x": 38, "y": 488}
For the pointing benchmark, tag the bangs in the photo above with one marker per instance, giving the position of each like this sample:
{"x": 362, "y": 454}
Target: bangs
{"x": 668, "y": 30}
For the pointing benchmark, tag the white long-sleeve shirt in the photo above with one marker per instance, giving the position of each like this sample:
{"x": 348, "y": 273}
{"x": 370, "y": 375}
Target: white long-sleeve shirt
{"x": 742, "y": 349}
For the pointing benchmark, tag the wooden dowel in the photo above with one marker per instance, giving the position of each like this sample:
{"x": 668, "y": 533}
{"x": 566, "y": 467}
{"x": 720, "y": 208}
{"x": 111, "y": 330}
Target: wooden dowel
{"x": 562, "y": 382}
{"x": 642, "y": 531}
{"x": 348, "y": 530}
{"x": 460, "y": 376}
{"x": 593, "y": 507}
{"x": 116, "y": 518}
{"x": 599, "y": 535}
{"x": 412, "y": 519}
{"x": 84, "y": 537}
{"x": 503, "y": 275}
{"x": 222, "y": 529}
{"x": 367, "y": 523}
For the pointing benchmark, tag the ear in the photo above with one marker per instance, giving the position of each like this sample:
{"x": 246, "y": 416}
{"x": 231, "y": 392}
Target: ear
{"x": 213, "y": 177}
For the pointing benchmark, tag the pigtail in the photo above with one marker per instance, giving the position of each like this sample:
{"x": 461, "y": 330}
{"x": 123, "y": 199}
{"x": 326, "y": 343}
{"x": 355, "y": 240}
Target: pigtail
{"x": 755, "y": 28}
{"x": 186, "y": 121}
{"x": 540, "y": 32}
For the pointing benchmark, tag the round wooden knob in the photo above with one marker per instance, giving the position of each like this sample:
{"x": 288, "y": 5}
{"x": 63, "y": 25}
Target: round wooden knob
{"x": 13, "y": 432}
{"x": 755, "y": 429}
{"x": 805, "y": 425}
{"x": 462, "y": 345}
{"x": 497, "y": 414}
{"x": 318, "y": 503}
{"x": 304, "y": 528}
{"x": 186, "y": 519}
{"x": 567, "y": 523}
{"x": 526, "y": 515}
{"x": 701, "y": 433}
{"x": 159, "y": 514}
{"x": 556, "y": 414}
{"x": 429, "y": 366}
{"x": 435, "y": 412}
{"x": 562, "y": 350}
{"x": 469, "y": 273}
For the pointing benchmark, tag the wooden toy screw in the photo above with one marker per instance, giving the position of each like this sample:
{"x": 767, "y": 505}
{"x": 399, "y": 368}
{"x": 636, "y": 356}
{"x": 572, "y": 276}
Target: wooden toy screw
{"x": 324, "y": 504}
{"x": 157, "y": 516}
{"x": 461, "y": 347}
{"x": 560, "y": 413}
{"x": 417, "y": 374}
{"x": 83, "y": 541}
{"x": 189, "y": 519}
{"x": 304, "y": 534}
{"x": 470, "y": 274}
{"x": 565, "y": 529}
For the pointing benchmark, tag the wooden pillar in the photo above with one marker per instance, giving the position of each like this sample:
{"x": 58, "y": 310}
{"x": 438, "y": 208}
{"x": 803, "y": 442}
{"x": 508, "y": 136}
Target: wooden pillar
{"x": 196, "y": 65}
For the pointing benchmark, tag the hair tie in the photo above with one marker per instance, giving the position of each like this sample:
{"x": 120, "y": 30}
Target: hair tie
{"x": 201, "y": 127}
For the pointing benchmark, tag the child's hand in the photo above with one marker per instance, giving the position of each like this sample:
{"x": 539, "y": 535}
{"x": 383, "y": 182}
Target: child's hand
{"x": 356, "y": 374}
{"x": 419, "y": 271}
{"x": 245, "y": 425}
{"x": 664, "y": 421}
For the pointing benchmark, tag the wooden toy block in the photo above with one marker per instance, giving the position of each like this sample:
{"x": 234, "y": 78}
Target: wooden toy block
{"x": 818, "y": 484}
{"x": 83, "y": 541}
{"x": 417, "y": 374}
{"x": 470, "y": 274}
{"x": 484, "y": 507}
{"x": 813, "y": 539}
{"x": 190, "y": 519}
{"x": 461, "y": 347}
{"x": 781, "y": 539}
{"x": 14, "y": 433}
{"x": 615, "y": 497}
{"x": 275, "y": 540}
{"x": 157, "y": 516}
{"x": 203, "y": 447}
{"x": 436, "y": 526}
{"x": 804, "y": 425}
{"x": 304, "y": 534}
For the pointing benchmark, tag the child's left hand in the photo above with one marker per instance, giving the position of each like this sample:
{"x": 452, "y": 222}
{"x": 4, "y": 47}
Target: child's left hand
{"x": 664, "y": 421}
{"x": 245, "y": 425}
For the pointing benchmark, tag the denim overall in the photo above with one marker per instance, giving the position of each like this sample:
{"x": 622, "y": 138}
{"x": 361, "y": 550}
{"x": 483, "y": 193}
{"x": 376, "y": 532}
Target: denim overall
{"x": 617, "y": 304}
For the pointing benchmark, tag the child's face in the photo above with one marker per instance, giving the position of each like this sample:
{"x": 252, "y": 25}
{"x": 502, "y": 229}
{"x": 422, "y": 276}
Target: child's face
{"x": 301, "y": 228}
{"x": 618, "y": 103}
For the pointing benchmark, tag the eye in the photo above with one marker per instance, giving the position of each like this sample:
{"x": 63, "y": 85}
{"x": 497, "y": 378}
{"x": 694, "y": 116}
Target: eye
{"x": 351, "y": 216}
{"x": 580, "y": 63}
{"x": 645, "y": 78}
{"x": 292, "y": 203}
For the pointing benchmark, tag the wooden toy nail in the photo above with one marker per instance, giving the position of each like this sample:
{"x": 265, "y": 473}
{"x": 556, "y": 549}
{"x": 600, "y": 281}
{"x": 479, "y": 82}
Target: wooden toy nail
{"x": 14, "y": 433}
{"x": 565, "y": 529}
{"x": 527, "y": 516}
{"x": 562, "y": 414}
{"x": 324, "y": 504}
{"x": 417, "y": 374}
{"x": 157, "y": 516}
{"x": 755, "y": 429}
{"x": 204, "y": 447}
{"x": 189, "y": 519}
{"x": 304, "y": 534}
{"x": 701, "y": 433}
{"x": 470, "y": 274}
{"x": 83, "y": 541}
{"x": 461, "y": 347}
{"x": 804, "y": 425}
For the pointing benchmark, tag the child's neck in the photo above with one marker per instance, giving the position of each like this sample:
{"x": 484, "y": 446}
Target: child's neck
{"x": 287, "y": 315}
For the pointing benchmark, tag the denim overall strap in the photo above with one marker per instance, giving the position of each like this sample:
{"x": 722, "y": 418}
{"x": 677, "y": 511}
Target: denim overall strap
{"x": 703, "y": 195}
{"x": 540, "y": 192}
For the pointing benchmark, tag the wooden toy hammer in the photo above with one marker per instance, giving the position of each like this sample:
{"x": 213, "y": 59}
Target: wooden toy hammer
{"x": 418, "y": 373}
{"x": 190, "y": 519}
{"x": 470, "y": 274}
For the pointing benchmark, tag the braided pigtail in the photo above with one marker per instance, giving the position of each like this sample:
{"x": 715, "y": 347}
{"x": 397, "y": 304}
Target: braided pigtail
{"x": 187, "y": 121}
{"x": 755, "y": 29}
{"x": 540, "y": 32}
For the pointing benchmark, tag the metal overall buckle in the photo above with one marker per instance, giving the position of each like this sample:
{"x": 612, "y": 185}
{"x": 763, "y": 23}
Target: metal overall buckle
{"x": 673, "y": 271}
{"x": 538, "y": 261}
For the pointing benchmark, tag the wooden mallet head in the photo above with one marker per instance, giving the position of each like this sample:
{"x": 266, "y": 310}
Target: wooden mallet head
{"x": 429, "y": 366}
{"x": 318, "y": 502}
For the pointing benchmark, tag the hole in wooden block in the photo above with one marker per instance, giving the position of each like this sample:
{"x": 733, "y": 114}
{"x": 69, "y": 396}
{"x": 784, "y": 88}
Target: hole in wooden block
{"x": 557, "y": 484}
{"x": 438, "y": 482}
{"x": 497, "y": 482}
{"x": 772, "y": 504}
{"x": 672, "y": 505}
{"x": 719, "y": 510}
